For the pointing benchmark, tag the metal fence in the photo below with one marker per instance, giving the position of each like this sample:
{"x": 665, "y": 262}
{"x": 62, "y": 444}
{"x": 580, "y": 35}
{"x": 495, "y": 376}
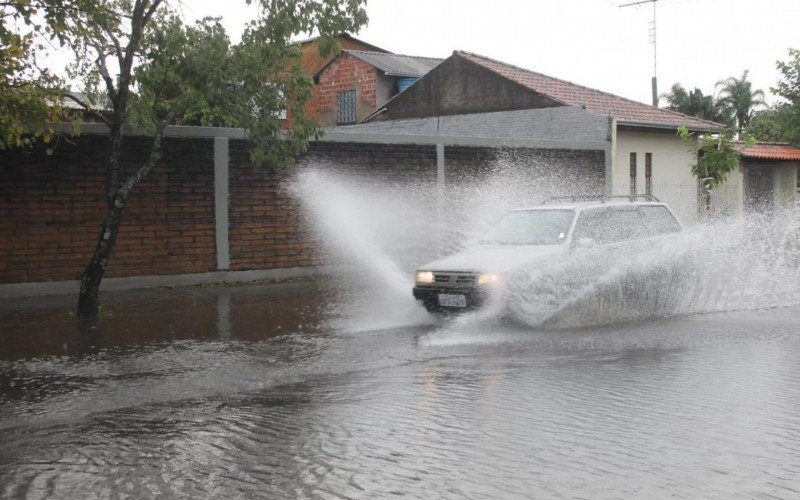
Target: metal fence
{"x": 688, "y": 201}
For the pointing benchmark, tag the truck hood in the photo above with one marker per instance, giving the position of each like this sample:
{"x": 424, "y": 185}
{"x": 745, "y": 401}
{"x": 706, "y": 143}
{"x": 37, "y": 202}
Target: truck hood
{"x": 494, "y": 258}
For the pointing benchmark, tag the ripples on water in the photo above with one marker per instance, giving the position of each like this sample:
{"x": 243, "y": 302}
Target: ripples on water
{"x": 697, "y": 406}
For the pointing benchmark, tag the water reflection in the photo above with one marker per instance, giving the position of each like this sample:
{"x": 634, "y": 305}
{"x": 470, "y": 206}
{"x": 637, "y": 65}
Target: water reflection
{"x": 224, "y": 314}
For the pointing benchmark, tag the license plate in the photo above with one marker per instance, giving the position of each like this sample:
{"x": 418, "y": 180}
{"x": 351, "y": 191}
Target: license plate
{"x": 452, "y": 300}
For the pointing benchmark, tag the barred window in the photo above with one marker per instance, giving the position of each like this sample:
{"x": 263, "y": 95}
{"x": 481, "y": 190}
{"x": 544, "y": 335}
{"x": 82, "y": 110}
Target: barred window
{"x": 346, "y": 110}
{"x": 633, "y": 173}
{"x": 648, "y": 173}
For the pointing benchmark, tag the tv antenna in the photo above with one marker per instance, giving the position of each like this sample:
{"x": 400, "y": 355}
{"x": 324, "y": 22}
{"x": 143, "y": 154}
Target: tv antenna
{"x": 654, "y": 81}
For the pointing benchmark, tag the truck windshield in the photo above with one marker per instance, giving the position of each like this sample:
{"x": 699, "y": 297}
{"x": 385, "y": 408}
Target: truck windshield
{"x": 531, "y": 227}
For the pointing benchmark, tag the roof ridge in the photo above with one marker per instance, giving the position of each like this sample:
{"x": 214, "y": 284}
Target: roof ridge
{"x": 342, "y": 34}
{"x": 582, "y": 86}
{"x": 770, "y": 143}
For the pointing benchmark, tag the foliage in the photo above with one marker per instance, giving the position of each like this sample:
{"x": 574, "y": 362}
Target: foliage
{"x": 789, "y": 88}
{"x": 696, "y": 104}
{"x": 192, "y": 75}
{"x": 715, "y": 157}
{"x": 184, "y": 69}
{"x": 774, "y": 124}
{"x": 31, "y": 95}
{"x": 26, "y": 90}
{"x": 738, "y": 96}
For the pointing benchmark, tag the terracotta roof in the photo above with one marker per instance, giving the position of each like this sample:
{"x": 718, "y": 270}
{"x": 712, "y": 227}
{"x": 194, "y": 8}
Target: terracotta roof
{"x": 771, "y": 151}
{"x": 626, "y": 111}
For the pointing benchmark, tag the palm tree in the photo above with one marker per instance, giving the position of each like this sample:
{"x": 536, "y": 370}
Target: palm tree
{"x": 738, "y": 96}
{"x": 695, "y": 104}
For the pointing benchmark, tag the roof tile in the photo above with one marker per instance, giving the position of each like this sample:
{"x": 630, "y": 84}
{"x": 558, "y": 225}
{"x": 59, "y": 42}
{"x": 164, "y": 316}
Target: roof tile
{"x": 771, "y": 151}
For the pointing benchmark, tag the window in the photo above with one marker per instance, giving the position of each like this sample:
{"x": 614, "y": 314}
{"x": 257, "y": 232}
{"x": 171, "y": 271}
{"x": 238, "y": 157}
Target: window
{"x": 531, "y": 227}
{"x": 633, "y": 173}
{"x": 626, "y": 222}
{"x": 346, "y": 110}
{"x": 648, "y": 173}
{"x": 593, "y": 224}
{"x": 282, "y": 111}
{"x": 659, "y": 220}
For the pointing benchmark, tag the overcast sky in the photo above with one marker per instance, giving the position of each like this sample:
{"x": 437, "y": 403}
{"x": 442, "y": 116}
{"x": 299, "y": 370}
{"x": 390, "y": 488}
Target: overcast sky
{"x": 591, "y": 42}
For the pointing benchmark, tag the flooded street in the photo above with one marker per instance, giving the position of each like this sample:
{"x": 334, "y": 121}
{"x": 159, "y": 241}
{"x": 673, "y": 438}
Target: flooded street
{"x": 264, "y": 391}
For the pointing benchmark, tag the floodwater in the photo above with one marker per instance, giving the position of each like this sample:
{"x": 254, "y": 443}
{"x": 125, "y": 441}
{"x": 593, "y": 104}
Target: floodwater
{"x": 664, "y": 370}
{"x": 271, "y": 391}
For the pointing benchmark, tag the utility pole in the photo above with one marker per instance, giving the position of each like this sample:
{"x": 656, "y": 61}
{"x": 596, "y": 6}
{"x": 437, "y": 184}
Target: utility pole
{"x": 654, "y": 81}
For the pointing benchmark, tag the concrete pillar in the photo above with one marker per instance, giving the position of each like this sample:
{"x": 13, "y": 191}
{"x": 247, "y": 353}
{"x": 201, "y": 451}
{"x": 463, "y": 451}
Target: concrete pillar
{"x": 784, "y": 185}
{"x": 440, "y": 180}
{"x": 221, "y": 181}
{"x": 610, "y": 154}
{"x": 440, "y": 166}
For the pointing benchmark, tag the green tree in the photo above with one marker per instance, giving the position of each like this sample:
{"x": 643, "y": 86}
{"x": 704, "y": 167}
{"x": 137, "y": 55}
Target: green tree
{"x": 30, "y": 93}
{"x": 715, "y": 157}
{"x": 774, "y": 124}
{"x": 167, "y": 73}
{"x": 696, "y": 104}
{"x": 738, "y": 96}
{"x": 789, "y": 89}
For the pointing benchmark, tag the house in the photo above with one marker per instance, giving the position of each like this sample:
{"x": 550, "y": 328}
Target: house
{"x": 312, "y": 61}
{"x": 350, "y": 87}
{"x": 644, "y": 154}
{"x": 770, "y": 175}
{"x": 351, "y": 84}
{"x": 74, "y": 105}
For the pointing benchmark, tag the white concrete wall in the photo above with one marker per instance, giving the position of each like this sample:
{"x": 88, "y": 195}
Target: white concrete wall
{"x": 785, "y": 184}
{"x": 672, "y": 179}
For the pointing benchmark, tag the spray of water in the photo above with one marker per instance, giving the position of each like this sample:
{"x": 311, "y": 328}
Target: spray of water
{"x": 746, "y": 263}
{"x": 357, "y": 231}
{"x": 381, "y": 233}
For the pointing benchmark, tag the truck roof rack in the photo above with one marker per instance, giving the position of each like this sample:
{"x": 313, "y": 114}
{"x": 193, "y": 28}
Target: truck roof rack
{"x": 602, "y": 198}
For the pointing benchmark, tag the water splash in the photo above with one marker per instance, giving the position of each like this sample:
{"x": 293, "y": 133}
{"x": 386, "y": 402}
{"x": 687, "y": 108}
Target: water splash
{"x": 354, "y": 227}
{"x": 382, "y": 233}
{"x": 745, "y": 263}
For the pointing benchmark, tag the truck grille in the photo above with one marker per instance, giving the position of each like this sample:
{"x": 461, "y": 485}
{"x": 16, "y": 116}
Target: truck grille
{"x": 454, "y": 278}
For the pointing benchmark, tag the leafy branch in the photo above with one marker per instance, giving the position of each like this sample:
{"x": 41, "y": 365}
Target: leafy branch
{"x": 715, "y": 157}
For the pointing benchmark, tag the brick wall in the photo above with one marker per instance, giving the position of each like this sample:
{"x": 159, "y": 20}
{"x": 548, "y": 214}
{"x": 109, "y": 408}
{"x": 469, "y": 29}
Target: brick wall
{"x": 51, "y": 206}
{"x": 312, "y": 61}
{"x": 384, "y": 163}
{"x": 264, "y": 228}
{"x": 344, "y": 73}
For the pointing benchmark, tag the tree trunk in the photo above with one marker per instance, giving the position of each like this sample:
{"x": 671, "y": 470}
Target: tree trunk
{"x": 88, "y": 305}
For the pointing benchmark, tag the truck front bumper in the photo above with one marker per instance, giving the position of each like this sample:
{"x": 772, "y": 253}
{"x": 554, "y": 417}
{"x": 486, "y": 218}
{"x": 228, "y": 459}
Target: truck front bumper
{"x": 431, "y": 298}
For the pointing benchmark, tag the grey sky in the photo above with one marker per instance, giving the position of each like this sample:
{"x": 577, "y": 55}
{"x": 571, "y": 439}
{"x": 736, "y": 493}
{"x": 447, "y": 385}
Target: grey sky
{"x": 590, "y": 42}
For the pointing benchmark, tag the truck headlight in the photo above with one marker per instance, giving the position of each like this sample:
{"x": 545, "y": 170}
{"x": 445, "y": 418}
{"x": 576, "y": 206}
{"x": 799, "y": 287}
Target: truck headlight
{"x": 488, "y": 279}
{"x": 425, "y": 277}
